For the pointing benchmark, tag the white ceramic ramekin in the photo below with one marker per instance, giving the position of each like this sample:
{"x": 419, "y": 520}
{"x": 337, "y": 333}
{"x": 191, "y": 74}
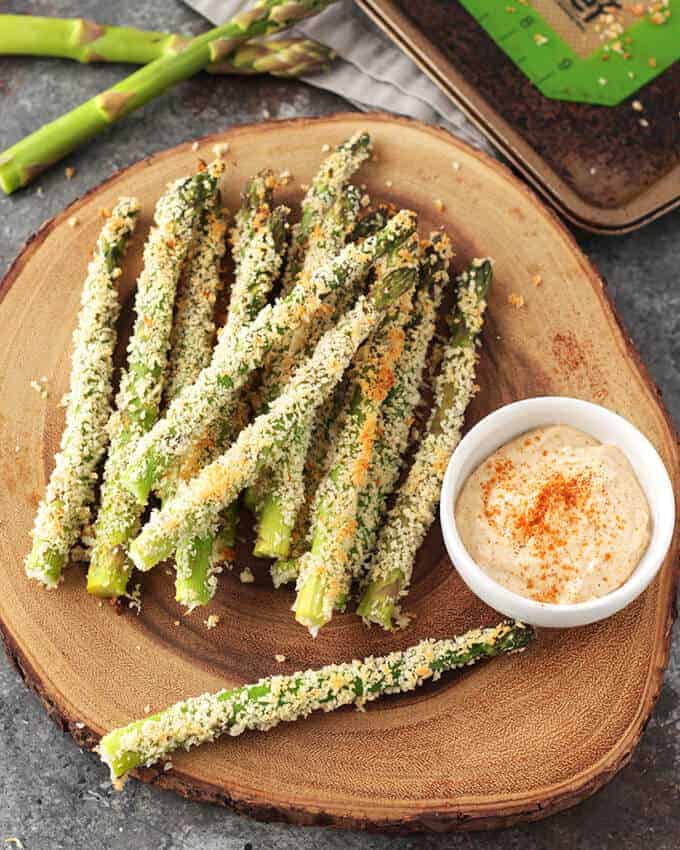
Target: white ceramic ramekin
{"x": 509, "y": 422}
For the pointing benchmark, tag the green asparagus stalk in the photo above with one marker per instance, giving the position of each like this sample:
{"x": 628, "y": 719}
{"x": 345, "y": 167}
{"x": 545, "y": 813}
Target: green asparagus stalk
{"x": 324, "y": 571}
{"x": 195, "y": 508}
{"x": 413, "y": 512}
{"x": 199, "y": 405}
{"x": 279, "y": 699}
{"x": 86, "y": 41}
{"x": 21, "y": 163}
{"x": 399, "y": 406}
{"x": 258, "y": 240}
{"x": 65, "y": 509}
{"x": 141, "y": 385}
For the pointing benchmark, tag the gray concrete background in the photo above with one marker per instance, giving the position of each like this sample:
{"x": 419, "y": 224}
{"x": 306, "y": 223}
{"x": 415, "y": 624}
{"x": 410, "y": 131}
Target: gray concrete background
{"x": 52, "y": 796}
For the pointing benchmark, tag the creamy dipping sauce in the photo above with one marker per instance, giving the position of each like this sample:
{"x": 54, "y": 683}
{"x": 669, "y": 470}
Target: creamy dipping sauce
{"x": 555, "y": 516}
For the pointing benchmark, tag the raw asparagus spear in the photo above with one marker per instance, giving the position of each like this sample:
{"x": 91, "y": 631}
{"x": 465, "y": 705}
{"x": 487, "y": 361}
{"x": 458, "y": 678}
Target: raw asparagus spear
{"x": 141, "y": 384}
{"x": 86, "y": 41}
{"x": 279, "y": 699}
{"x": 199, "y": 405}
{"x": 397, "y": 411}
{"x": 65, "y": 509}
{"x": 258, "y": 243}
{"x": 413, "y": 512}
{"x": 193, "y": 331}
{"x": 324, "y": 570}
{"x": 21, "y": 163}
{"x": 194, "y": 510}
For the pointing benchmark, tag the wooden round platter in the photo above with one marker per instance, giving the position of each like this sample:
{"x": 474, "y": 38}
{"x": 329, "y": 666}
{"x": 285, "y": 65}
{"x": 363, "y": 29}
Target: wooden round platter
{"x": 515, "y": 739}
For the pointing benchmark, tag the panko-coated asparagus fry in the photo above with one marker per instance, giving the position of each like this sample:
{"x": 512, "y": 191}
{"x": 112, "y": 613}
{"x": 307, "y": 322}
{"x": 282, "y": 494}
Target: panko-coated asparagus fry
{"x": 329, "y": 212}
{"x": 193, "y": 330}
{"x": 326, "y": 189}
{"x": 194, "y": 510}
{"x": 324, "y": 571}
{"x": 281, "y": 699}
{"x": 199, "y": 405}
{"x": 65, "y": 509}
{"x": 399, "y": 406}
{"x": 413, "y": 512}
{"x": 285, "y": 489}
{"x": 323, "y": 437}
{"x": 141, "y": 385}
{"x": 258, "y": 240}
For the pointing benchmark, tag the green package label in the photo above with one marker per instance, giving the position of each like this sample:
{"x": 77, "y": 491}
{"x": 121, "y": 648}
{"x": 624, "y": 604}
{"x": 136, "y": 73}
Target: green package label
{"x": 584, "y": 50}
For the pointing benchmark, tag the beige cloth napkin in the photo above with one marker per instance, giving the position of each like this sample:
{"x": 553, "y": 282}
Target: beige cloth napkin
{"x": 371, "y": 72}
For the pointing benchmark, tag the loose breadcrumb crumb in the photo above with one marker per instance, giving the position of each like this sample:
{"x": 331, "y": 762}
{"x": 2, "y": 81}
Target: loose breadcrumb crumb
{"x": 70, "y": 173}
{"x": 325, "y": 148}
{"x": 280, "y": 658}
{"x": 439, "y": 204}
{"x": 246, "y": 576}
{"x": 135, "y": 599}
{"x": 537, "y": 280}
{"x": 212, "y": 621}
{"x": 220, "y": 149}
{"x": 195, "y": 146}
{"x": 41, "y": 389}
{"x": 74, "y": 221}
{"x": 516, "y": 300}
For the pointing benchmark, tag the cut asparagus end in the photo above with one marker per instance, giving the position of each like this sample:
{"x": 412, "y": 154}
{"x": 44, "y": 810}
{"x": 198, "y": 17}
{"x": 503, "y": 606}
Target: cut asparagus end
{"x": 378, "y": 603}
{"x": 309, "y": 604}
{"x": 273, "y": 534}
{"x": 109, "y": 573}
{"x": 146, "y": 554}
{"x": 284, "y": 572}
{"x": 192, "y": 584}
{"x": 119, "y": 761}
{"x": 45, "y": 566}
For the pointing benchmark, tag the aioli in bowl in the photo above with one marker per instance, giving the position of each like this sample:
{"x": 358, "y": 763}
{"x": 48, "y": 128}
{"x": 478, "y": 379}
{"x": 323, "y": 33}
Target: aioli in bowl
{"x": 555, "y": 516}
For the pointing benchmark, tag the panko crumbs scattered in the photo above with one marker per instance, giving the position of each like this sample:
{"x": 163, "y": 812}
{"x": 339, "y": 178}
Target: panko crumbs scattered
{"x": 516, "y": 300}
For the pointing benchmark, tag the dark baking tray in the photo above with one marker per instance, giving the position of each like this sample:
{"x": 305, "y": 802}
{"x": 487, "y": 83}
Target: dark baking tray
{"x": 596, "y": 164}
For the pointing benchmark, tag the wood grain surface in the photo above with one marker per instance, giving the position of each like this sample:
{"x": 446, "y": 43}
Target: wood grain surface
{"x": 515, "y": 739}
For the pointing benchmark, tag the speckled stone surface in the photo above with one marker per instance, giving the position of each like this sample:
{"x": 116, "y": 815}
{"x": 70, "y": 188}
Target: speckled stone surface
{"x": 52, "y": 796}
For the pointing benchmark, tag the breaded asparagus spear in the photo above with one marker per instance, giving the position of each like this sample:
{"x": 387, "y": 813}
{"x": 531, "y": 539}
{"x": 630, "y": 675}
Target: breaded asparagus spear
{"x": 200, "y": 405}
{"x": 65, "y": 509}
{"x": 258, "y": 240}
{"x": 141, "y": 385}
{"x": 193, "y": 331}
{"x": 282, "y": 699}
{"x": 324, "y": 571}
{"x": 324, "y": 193}
{"x": 399, "y": 406}
{"x": 413, "y": 512}
{"x": 194, "y": 510}
{"x": 283, "y": 485}
{"x": 329, "y": 213}
{"x": 322, "y": 439}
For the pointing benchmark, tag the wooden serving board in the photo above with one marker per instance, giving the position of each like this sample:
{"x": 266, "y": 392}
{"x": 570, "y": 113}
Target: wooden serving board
{"x": 515, "y": 739}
